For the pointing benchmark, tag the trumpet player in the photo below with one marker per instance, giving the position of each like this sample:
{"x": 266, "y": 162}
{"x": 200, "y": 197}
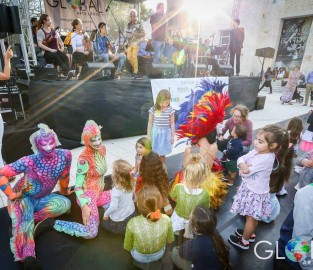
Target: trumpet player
{"x": 104, "y": 49}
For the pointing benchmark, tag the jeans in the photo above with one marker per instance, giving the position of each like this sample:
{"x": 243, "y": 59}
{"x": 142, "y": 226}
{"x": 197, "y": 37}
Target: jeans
{"x": 147, "y": 258}
{"x": 232, "y": 55}
{"x": 158, "y": 47}
{"x": 121, "y": 57}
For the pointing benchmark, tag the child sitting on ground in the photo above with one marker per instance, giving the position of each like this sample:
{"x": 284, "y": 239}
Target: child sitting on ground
{"x": 147, "y": 235}
{"x": 233, "y": 152}
{"x": 122, "y": 207}
{"x": 207, "y": 250}
{"x": 189, "y": 194}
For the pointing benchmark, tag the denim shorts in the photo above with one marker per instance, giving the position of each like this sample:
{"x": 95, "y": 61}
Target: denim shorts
{"x": 147, "y": 258}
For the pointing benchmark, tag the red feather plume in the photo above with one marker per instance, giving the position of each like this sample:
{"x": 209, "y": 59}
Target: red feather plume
{"x": 207, "y": 113}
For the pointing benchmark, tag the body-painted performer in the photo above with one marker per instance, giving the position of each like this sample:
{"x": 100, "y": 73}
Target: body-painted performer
{"x": 89, "y": 187}
{"x": 198, "y": 124}
{"x": 31, "y": 200}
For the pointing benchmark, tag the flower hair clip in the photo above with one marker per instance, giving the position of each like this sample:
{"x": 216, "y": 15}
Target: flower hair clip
{"x": 155, "y": 215}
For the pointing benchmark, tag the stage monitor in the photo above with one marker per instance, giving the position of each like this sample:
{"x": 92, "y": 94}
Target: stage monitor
{"x": 265, "y": 52}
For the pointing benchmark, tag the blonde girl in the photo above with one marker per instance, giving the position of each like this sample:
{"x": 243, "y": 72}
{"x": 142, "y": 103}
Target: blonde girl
{"x": 147, "y": 235}
{"x": 161, "y": 125}
{"x": 189, "y": 194}
{"x": 122, "y": 207}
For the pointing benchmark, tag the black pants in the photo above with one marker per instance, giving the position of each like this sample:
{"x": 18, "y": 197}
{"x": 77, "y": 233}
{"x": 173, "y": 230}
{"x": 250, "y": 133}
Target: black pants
{"x": 81, "y": 58}
{"x": 267, "y": 84}
{"x": 59, "y": 58}
{"x": 232, "y": 55}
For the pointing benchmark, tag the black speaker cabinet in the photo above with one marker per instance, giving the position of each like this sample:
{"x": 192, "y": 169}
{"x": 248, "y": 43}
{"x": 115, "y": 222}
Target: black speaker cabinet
{"x": 265, "y": 52}
{"x": 97, "y": 71}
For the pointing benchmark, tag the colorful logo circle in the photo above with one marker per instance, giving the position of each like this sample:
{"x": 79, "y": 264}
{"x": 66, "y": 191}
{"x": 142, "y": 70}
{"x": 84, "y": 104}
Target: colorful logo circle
{"x": 297, "y": 249}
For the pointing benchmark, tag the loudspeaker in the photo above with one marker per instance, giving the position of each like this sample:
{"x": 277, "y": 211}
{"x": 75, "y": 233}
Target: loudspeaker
{"x": 97, "y": 71}
{"x": 227, "y": 70}
{"x": 265, "y": 52}
{"x": 260, "y": 102}
{"x": 162, "y": 70}
{"x": 42, "y": 73}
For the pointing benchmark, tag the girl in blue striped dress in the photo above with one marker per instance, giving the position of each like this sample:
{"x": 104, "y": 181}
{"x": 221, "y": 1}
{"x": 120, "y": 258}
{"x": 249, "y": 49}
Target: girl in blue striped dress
{"x": 161, "y": 125}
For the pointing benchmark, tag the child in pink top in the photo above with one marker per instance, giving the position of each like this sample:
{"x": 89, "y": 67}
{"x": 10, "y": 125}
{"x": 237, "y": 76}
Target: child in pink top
{"x": 253, "y": 199}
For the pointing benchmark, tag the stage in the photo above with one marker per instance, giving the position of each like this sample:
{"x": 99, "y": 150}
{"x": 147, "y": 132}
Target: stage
{"x": 120, "y": 106}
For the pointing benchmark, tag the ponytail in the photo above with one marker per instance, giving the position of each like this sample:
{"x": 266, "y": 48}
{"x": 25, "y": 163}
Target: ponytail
{"x": 282, "y": 167}
{"x": 222, "y": 250}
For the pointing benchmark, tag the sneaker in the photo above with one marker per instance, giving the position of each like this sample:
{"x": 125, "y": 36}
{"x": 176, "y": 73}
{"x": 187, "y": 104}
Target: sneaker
{"x": 223, "y": 159}
{"x": 43, "y": 226}
{"x": 239, "y": 232}
{"x": 298, "y": 169}
{"x": 137, "y": 77}
{"x": 237, "y": 241}
{"x": 225, "y": 179}
{"x": 70, "y": 75}
{"x": 229, "y": 184}
{"x": 31, "y": 263}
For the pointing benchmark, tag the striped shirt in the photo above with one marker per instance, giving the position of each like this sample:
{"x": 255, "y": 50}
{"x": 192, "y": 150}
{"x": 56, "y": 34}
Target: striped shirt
{"x": 161, "y": 119}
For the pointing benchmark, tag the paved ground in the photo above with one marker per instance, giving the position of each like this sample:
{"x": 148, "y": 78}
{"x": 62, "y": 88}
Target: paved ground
{"x": 273, "y": 112}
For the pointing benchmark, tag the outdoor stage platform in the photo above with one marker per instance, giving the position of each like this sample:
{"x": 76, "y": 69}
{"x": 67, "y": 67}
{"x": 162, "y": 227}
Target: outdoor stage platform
{"x": 120, "y": 106}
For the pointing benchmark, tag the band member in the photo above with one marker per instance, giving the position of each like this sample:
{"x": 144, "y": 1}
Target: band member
{"x": 104, "y": 49}
{"x": 134, "y": 34}
{"x": 158, "y": 25}
{"x": 81, "y": 54}
{"x": 50, "y": 42}
{"x": 237, "y": 36}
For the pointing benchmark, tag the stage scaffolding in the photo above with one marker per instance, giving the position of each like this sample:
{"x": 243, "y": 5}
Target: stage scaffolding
{"x": 27, "y": 9}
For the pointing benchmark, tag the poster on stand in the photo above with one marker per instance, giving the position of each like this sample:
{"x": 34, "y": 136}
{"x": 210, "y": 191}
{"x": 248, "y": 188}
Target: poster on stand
{"x": 292, "y": 43}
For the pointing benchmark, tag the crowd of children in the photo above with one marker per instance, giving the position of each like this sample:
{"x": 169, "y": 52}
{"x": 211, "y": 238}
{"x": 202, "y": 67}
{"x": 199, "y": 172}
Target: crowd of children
{"x": 141, "y": 201}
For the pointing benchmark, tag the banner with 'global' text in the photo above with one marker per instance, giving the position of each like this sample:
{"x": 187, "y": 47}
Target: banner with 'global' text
{"x": 63, "y": 12}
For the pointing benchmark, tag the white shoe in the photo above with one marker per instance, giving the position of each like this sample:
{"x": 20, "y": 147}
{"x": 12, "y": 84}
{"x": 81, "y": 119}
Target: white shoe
{"x": 298, "y": 169}
{"x": 282, "y": 192}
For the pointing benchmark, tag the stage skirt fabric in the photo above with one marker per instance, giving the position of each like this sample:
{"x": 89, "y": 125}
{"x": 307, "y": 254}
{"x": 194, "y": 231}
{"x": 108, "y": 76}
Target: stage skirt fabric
{"x": 161, "y": 141}
{"x": 306, "y": 144}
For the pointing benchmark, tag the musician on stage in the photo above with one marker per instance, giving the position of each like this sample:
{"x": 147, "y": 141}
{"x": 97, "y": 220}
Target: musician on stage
{"x": 103, "y": 46}
{"x": 237, "y": 36}
{"x": 134, "y": 34}
{"x": 50, "y": 42}
{"x": 159, "y": 28}
{"x": 81, "y": 54}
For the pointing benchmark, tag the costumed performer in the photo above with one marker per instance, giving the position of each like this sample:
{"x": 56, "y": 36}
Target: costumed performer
{"x": 89, "y": 186}
{"x": 31, "y": 201}
{"x": 199, "y": 125}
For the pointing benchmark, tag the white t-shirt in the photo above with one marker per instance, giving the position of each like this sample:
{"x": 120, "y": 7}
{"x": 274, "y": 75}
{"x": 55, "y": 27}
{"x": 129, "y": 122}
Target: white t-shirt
{"x": 77, "y": 41}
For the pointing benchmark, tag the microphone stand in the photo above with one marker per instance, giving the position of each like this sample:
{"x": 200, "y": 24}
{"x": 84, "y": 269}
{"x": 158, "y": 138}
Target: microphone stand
{"x": 120, "y": 34}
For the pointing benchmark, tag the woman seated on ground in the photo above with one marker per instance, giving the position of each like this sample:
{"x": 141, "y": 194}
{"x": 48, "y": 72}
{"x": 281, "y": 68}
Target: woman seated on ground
{"x": 239, "y": 116}
{"x": 81, "y": 53}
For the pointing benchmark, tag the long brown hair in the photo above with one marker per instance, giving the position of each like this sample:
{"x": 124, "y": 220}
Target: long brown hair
{"x": 162, "y": 96}
{"x": 152, "y": 172}
{"x": 295, "y": 126}
{"x": 203, "y": 221}
{"x": 42, "y": 18}
{"x": 149, "y": 200}
{"x": 122, "y": 175}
